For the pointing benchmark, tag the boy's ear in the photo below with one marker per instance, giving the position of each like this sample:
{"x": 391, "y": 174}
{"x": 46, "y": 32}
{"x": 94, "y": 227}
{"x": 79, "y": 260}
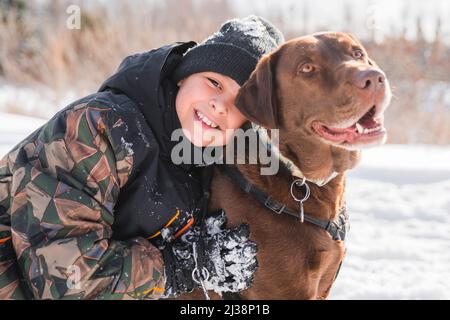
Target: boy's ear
{"x": 256, "y": 99}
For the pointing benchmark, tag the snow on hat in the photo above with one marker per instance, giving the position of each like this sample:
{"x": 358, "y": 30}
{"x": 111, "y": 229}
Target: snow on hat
{"x": 233, "y": 51}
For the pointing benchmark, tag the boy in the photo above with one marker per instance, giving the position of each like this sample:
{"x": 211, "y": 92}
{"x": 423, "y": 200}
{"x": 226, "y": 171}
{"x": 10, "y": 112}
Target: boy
{"x": 83, "y": 198}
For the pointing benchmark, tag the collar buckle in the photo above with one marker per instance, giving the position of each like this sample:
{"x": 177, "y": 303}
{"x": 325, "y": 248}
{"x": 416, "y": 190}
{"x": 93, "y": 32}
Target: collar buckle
{"x": 274, "y": 205}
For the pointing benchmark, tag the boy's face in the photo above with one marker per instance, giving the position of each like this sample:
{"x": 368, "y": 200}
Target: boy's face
{"x": 206, "y": 110}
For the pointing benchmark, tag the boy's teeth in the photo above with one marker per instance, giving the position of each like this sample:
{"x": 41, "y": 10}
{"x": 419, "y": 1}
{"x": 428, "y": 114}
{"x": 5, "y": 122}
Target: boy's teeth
{"x": 206, "y": 120}
{"x": 359, "y": 128}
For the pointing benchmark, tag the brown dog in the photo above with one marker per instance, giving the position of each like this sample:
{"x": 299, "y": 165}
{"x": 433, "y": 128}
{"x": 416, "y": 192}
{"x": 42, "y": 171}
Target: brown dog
{"x": 327, "y": 98}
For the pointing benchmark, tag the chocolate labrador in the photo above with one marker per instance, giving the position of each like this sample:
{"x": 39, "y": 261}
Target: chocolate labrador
{"x": 327, "y": 98}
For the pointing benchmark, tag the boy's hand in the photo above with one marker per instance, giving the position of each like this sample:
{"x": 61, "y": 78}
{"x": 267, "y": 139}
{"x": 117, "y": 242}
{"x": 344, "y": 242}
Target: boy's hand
{"x": 230, "y": 258}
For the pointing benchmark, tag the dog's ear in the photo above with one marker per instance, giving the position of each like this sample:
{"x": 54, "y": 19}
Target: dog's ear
{"x": 256, "y": 99}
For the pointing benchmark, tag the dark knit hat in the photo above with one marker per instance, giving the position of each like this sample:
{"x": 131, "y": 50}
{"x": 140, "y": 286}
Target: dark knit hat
{"x": 233, "y": 51}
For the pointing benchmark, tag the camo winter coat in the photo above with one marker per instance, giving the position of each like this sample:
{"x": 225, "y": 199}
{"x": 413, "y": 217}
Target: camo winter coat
{"x": 82, "y": 195}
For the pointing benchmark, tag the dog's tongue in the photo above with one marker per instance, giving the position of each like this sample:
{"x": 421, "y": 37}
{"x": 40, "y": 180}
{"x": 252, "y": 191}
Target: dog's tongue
{"x": 367, "y": 122}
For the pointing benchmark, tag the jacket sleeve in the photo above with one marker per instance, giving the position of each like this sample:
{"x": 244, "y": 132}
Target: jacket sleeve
{"x": 64, "y": 181}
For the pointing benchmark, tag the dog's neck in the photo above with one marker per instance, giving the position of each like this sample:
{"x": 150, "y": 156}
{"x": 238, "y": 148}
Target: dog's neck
{"x": 316, "y": 162}
{"x": 267, "y": 141}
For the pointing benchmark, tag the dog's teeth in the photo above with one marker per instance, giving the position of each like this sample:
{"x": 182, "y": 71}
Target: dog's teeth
{"x": 362, "y": 130}
{"x": 359, "y": 128}
{"x": 374, "y": 129}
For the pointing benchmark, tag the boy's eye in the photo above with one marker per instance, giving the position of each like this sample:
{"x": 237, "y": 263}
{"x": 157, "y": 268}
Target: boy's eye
{"x": 215, "y": 83}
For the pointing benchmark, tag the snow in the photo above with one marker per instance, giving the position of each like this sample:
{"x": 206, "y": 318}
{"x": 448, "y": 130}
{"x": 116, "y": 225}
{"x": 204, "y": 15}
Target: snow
{"x": 15, "y": 128}
{"x": 38, "y": 101}
{"x": 263, "y": 39}
{"x": 128, "y": 146}
{"x": 399, "y": 207}
{"x": 214, "y": 224}
{"x": 232, "y": 256}
{"x": 398, "y": 245}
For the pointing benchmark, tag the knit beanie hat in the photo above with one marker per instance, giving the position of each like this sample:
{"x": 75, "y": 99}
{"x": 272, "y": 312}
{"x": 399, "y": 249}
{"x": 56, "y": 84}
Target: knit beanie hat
{"x": 233, "y": 51}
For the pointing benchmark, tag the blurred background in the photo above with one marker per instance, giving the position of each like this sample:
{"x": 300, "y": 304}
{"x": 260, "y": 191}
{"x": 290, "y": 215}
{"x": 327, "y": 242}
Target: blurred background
{"x": 54, "y": 52}
{"x": 45, "y": 62}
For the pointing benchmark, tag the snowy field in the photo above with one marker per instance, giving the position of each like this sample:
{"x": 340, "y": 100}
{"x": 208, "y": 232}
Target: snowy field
{"x": 15, "y": 128}
{"x": 399, "y": 204}
{"x": 399, "y": 241}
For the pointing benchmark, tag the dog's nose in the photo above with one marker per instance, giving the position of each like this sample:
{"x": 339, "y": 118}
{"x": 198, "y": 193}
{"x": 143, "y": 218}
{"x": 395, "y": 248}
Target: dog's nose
{"x": 368, "y": 79}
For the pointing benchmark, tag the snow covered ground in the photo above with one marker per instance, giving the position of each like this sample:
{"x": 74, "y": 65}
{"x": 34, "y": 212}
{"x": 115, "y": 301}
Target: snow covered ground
{"x": 399, "y": 241}
{"x": 399, "y": 204}
{"x": 15, "y": 128}
{"x": 38, "y": 101}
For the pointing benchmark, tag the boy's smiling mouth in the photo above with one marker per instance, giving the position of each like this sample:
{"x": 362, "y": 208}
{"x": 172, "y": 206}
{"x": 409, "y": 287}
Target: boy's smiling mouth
{"x": 206, "y": 122}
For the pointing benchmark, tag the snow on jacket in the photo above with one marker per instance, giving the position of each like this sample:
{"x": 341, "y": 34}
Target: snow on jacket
{"x": 81, "y": 196}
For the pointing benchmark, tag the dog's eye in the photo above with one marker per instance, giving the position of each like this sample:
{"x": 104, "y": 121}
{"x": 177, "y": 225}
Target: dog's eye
{"x": 358, "y": 54}
{"x": 307, "y": 68}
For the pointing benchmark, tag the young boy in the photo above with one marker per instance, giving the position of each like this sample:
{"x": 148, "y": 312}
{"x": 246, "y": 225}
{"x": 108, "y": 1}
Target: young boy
{"x": 83, "y": 198}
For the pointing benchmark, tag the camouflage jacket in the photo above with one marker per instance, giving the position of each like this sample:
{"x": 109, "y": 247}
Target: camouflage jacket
{"x": 59, "y": 193}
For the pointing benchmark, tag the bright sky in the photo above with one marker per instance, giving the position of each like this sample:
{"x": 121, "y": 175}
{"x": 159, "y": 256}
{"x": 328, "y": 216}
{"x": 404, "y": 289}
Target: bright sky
{"x": 383, "y": 15}
{"x": 386, "y": 16}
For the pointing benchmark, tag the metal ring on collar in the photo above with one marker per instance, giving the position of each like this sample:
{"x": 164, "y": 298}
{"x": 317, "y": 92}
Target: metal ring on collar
{"x": 300, "y": 182}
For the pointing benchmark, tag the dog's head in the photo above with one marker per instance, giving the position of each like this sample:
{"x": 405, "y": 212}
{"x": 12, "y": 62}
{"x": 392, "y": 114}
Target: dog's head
{"x": 323, "y": 86}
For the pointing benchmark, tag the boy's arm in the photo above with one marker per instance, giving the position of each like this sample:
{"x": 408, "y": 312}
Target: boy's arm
{"x": 63, "y": 184}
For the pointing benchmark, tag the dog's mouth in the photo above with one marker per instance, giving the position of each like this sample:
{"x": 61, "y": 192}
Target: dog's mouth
{"x": 367, "y": 131}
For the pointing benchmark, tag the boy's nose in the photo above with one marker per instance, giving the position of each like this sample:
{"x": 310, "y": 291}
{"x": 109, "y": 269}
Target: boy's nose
{"x": 218, "y": 107}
